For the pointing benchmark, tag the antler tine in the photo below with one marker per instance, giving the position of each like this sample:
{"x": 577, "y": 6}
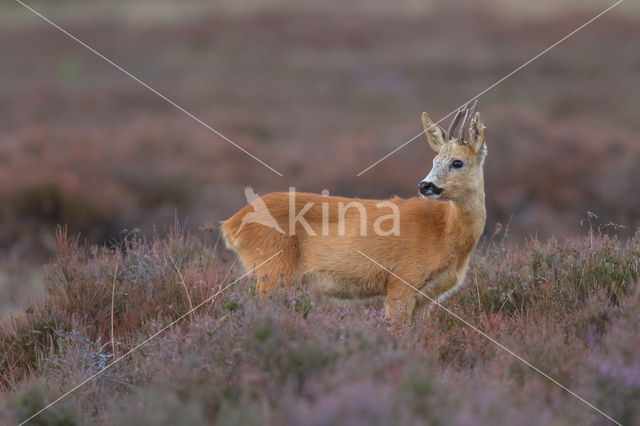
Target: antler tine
{"x": 454, "y": 124}
{"x": 464, "y": 124}
{"x": 473, "y": 109}
{"x": 468, "y": 115}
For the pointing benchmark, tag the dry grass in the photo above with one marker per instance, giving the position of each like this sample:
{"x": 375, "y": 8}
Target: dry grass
{"x": 113, "y": 303}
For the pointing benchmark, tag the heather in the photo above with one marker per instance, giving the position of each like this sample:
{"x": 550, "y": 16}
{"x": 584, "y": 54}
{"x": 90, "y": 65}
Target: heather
{"x": 569, "y": 307}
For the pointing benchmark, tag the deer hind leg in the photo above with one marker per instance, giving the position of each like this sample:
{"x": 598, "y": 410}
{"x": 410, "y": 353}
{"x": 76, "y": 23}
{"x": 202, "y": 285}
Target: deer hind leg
{"x": 269, "y": 279}
{"x": 273, "y": 266}
{"x": 266, "y": 283}
{"x": 400, "y": 301}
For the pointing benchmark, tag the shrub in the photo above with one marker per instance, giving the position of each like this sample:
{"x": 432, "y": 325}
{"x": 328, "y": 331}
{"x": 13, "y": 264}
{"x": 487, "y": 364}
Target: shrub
{"x": 570, "y": 308}
{"x": 79, "y": 285}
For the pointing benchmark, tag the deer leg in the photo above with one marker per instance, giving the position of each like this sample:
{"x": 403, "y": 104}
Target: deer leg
{"x": 400, "y": 301}
{"x": 266, "y": 283}
{"x": 269, "y": 256}
{"x": 278, "y": 271}
{"x": 442, "y": 286}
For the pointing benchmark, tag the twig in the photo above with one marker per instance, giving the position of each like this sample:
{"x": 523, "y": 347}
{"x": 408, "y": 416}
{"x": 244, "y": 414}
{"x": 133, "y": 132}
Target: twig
{"x": 120, "y": 382}
{"x": 506, "y": 232}
{"x": 508, "y": 298}
{"x": 6, "y": 380}
{"x": 215, "y": 245}
{"x": 224, "y": 280}
{"x": 475, "y": 280}
{"x": 185, "y": 288}
{"x": 113, "y": 298}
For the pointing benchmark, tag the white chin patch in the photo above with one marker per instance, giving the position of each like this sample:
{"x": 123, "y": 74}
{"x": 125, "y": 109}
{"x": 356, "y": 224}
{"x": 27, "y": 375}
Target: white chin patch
{"x": 431, "y": 196}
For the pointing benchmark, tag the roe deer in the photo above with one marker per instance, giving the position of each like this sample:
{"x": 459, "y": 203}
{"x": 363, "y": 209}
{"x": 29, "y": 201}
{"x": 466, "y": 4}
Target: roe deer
{"x": 427, "y": 241}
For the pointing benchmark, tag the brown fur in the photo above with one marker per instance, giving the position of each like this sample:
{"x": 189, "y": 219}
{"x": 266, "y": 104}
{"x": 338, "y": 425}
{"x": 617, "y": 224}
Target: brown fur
{"x": 431, "y": 250}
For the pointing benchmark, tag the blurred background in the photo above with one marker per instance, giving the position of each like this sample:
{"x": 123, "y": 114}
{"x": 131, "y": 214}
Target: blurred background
{"x": 318, "y": 90}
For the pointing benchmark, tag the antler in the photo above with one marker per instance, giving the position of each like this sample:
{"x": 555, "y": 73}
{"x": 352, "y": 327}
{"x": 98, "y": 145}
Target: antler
{"x": 469, "y": 109}
{"x": 468, "y": 114}
{"x": 454, "y": 123}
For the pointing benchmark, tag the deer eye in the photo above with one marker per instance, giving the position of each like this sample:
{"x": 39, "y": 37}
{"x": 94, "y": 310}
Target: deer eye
{"x": 457, "y": 164}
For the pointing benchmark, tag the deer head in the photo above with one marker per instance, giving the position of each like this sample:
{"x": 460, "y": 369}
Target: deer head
{"x": 457, "y": 169}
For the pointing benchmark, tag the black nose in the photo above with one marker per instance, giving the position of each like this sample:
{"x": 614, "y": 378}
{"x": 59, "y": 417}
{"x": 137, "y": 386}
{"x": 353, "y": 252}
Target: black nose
{"x": 428, "y": 187}
{"x": 424, "y": 187}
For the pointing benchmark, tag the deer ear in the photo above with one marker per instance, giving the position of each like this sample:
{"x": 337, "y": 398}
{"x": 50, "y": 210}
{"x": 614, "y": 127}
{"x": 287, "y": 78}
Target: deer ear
{"x": 476, "y": 133}
{"x": 435, "y": 134}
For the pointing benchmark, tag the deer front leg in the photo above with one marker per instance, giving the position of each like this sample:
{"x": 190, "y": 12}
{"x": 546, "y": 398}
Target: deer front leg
{"x": 400, "y": 300}
{"x": 438, "y": 288}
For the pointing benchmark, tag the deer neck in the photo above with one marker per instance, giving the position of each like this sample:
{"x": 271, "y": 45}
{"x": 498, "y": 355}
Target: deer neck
{"x": 465, "y": 220}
